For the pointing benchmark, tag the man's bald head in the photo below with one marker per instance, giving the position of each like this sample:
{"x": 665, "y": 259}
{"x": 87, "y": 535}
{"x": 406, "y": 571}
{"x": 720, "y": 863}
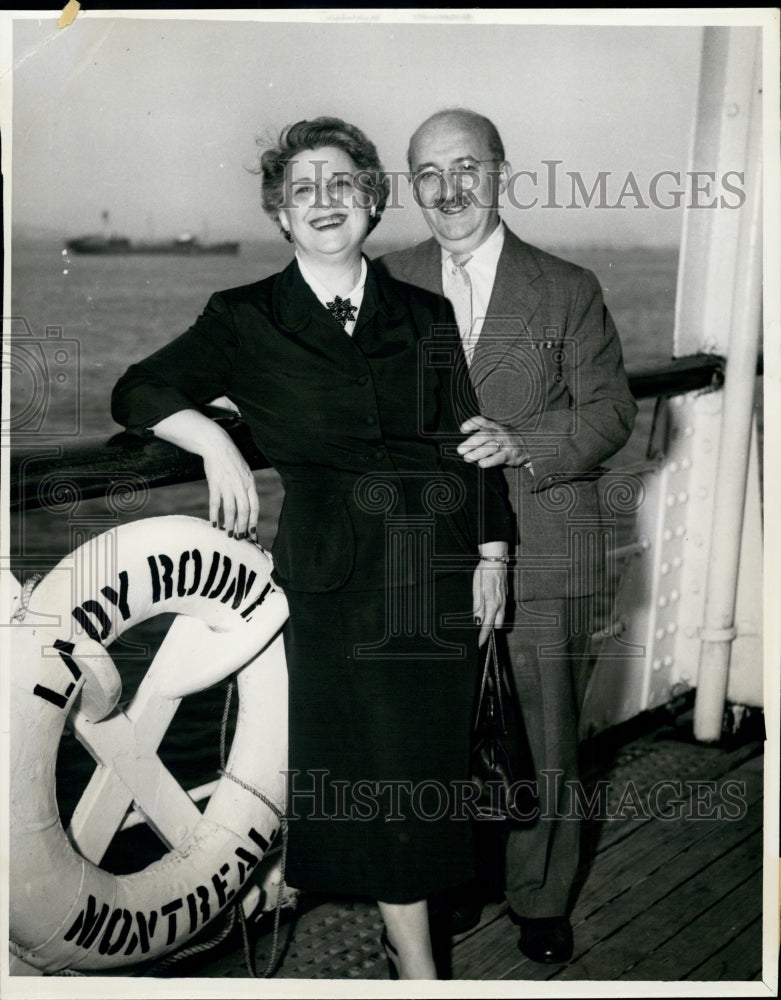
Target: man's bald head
{"x": 462, "y": 118}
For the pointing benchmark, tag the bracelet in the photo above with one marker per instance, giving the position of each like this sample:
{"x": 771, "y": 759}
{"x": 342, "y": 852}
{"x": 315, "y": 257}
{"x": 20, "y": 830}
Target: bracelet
{"x": 499, "y": 559}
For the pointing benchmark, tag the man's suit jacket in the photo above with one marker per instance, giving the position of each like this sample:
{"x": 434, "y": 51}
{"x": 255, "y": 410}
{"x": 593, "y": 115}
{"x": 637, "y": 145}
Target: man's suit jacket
{"x": 548, "y": 364}
{"x": 361, "y": 432}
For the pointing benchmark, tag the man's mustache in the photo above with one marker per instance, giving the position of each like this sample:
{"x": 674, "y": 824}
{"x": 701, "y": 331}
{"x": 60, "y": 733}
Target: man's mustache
{"x": 462, "y": 200}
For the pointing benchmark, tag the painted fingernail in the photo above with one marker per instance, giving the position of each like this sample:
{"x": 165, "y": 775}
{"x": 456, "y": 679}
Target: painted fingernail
{"x": 253, "y": 531}
{"x": 478, "y": 620}
{"x": 230, "y": 533}
{"x": 214, "y": 524}
{"x": 240, "y": 536}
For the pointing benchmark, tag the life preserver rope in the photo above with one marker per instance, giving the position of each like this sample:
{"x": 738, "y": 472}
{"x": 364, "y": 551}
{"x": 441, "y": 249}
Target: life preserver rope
{"x": 66, "y": 911}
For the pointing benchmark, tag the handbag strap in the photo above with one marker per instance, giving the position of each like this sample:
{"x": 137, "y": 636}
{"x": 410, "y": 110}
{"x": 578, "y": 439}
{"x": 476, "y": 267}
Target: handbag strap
{"x": 497, "y": 675}
{"x": 491, "y": 665}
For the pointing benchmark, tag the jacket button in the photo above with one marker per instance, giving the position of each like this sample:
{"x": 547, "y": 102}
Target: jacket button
{"x": 379, "y": 454}
{"x": 363, "y": 380}
{"x": 371, "y": 420}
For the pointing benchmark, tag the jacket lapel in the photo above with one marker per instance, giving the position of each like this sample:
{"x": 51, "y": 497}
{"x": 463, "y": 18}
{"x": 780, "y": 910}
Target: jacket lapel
{"x": 513, "y": 302}
{"x": 421, "y": 266}
{"x": 379, "y": 296}
{"x": 297, "y": 309}
{"x": 430, "y": 264}
{"x": 292, "y": 299}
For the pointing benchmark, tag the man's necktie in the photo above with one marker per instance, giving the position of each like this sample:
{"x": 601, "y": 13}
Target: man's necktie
{"x": 342, "y": 310}
{"x": 458, "y": 289}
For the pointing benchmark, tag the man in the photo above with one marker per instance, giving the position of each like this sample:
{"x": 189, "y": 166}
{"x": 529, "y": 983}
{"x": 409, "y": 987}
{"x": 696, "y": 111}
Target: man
{"x": 545, "y": 360}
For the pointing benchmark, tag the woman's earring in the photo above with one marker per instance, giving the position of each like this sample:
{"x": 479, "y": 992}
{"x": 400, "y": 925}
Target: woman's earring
{"x": 286, "y": 234}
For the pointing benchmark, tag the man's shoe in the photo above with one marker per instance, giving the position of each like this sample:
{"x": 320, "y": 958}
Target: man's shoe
{"x": 546, "y": 939}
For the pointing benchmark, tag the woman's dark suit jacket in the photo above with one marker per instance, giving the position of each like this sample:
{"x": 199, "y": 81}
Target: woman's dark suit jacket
{"x": 362, "y": 429}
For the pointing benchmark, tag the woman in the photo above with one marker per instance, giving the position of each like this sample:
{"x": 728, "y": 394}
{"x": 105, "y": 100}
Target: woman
{"x": 377, "y": 546}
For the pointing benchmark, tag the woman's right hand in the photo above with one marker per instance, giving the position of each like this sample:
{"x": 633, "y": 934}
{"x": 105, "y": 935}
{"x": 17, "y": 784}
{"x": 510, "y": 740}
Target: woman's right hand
{"x": 233, "y": 497}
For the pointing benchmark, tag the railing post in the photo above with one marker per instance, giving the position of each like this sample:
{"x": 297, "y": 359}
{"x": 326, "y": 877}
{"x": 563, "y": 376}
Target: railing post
{"x": 718, "y": 628}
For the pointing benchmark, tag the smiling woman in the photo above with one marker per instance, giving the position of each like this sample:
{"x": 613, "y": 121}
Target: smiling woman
{"x": 323, "y": 214}
{"x": 324, "y": 363}
{"x": 290, "y": 165}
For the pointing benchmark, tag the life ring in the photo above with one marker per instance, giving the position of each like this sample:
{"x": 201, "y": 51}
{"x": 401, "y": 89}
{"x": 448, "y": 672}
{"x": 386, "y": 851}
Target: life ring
{"x": 66, "y": 911}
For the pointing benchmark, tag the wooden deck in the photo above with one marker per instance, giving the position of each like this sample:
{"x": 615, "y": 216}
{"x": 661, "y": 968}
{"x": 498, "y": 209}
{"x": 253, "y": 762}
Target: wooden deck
{"x": 662, "y": 899}
{"x": 671, "y": 886}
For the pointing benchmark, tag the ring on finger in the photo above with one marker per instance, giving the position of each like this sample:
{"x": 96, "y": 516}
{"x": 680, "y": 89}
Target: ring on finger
{"x": 497, "y": 445}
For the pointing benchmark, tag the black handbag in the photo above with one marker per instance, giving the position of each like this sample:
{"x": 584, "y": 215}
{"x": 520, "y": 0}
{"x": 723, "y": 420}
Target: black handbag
{"x": 502, "y": 765}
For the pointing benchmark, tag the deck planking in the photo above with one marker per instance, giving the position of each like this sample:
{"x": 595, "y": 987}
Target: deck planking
{"x": 660, "y": 899}
{"x": 643, "y": 890}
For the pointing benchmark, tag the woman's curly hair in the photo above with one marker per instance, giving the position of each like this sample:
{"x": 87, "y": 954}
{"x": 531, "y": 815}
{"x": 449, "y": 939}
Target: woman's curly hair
{"x": 370, "y": 177}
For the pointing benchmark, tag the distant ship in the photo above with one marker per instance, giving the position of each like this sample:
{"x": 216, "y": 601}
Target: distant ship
{"x": 185, "y": 244}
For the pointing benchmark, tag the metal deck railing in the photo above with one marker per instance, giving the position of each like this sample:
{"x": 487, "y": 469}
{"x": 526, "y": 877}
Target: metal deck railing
{"x": 96, "y": 467}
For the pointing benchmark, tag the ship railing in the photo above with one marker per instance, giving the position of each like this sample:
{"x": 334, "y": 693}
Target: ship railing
{"x": 98, "y": 467}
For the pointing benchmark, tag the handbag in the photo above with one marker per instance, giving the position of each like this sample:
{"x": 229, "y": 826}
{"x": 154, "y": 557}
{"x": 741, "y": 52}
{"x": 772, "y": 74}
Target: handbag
{"x": 502, "y": 765}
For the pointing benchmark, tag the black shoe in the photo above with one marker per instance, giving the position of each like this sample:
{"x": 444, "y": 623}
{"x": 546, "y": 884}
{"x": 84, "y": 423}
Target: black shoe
{"x": 546, "y": 939}
{"x": 391, "y": 954}
{"x": 457, "y": 910}
{"x": 464, "y": 915}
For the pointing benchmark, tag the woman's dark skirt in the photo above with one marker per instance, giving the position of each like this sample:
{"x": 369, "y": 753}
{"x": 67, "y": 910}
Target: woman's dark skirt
{"x": 382, "y": 686}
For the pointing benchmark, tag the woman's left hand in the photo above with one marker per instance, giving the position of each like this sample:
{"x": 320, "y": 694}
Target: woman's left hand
{"x": 489, "y": 595}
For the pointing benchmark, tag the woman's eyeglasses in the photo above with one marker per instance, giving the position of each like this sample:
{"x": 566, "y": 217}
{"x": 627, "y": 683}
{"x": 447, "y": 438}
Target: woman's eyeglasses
{"x": 343, "y": 190}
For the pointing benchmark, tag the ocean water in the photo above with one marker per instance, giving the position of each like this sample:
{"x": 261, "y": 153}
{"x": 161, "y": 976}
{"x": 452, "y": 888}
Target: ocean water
{"x": 80, "y": 320}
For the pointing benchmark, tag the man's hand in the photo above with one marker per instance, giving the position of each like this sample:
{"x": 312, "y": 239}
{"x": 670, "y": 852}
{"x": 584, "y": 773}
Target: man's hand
{"x": 491, "y": 444}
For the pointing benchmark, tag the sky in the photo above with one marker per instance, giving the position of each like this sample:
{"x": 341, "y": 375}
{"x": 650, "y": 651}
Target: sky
{"x": 155, "y": 120}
